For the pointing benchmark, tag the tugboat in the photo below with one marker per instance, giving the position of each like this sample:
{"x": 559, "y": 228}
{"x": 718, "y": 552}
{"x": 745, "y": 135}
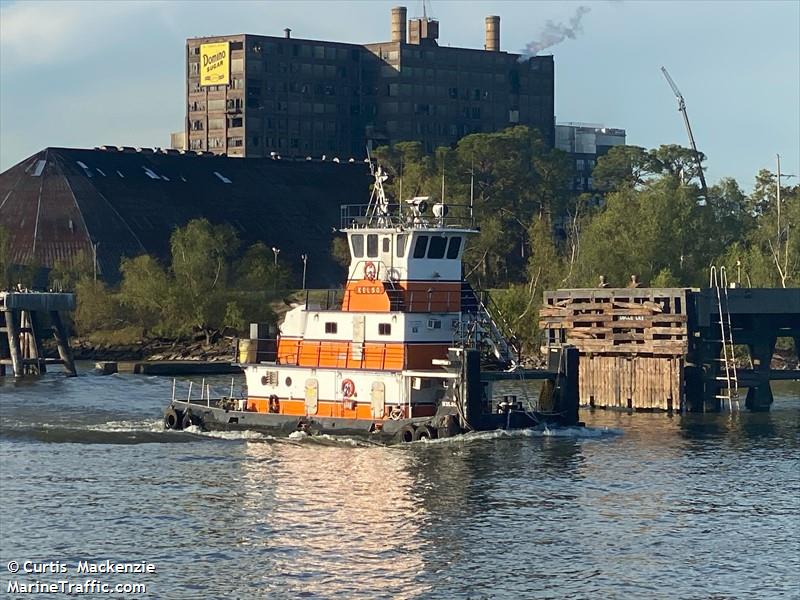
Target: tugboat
{"x": 408, "y": 352}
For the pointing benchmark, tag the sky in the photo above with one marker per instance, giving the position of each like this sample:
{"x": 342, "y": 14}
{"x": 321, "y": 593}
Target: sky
{"x": 84, "y": 74}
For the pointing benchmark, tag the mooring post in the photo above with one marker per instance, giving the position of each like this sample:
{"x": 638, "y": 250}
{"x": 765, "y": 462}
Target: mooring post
{"x": 569, "y": 399}
{"x": 36, "y": 342}
{"x": 759, "y": 397}
{"x": 12, "y": 331}
{"x": 472, "y": 388}
{"x": 62, "y": 341}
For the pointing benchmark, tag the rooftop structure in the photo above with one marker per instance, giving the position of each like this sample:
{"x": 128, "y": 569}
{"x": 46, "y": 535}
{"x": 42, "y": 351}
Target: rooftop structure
{"x": 127, "y": 201}
{"x": 251, "y": 95}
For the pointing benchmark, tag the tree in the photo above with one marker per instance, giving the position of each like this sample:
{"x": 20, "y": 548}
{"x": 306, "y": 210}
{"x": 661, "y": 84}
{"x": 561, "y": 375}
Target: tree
{"x": 257, "y": 271}
{"x": 622, "y": 166}
{"x": 340, "y": 251}
{"x": 66, "y": 274}
{"x": 677, "y": 161}
{"x": 149, "y": 292}
{"x": 200, "y": 253}
{"x": 641, "y": 232}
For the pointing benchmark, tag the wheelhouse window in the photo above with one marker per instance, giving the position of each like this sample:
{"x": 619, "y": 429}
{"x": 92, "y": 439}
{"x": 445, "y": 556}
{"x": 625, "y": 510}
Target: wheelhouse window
{"x": 400, "y": 250}
{"x": 437, "y": 246}
{"x": 372, "y": 245}
{"x": 331, "y": 327}
{"x": 454, "y": 247}
{"x": 357, "y": 242}
{"x": 386, "y": 245}
{"x": 384, "y": 329}
{"x": 421, "y": 246}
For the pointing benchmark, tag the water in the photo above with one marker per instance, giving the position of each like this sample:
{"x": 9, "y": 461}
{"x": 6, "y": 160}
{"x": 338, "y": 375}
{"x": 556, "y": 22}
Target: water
{"x": 635, "y": 506}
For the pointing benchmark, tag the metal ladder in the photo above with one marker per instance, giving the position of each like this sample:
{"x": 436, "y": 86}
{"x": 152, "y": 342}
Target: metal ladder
{"x": 719, "y": 280}
{"x": 484, "y": 326}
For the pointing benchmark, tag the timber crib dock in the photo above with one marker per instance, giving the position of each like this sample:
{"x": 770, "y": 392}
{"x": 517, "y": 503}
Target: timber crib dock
{"x": 661, "y": 348}
{"x": 22, "y": 326}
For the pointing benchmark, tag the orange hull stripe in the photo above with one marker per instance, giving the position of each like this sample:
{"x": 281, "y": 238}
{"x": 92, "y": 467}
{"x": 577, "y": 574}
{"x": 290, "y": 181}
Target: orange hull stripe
{"x": 376, "y": 357}
{"x": 334, "y": 409}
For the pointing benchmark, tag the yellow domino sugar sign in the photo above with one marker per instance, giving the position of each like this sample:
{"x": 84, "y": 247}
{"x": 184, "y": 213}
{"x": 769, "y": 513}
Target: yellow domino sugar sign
{"x": 215, "y": 64}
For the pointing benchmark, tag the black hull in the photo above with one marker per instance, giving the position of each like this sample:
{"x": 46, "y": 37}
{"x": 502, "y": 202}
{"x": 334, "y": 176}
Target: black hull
{"x": 444, "y": 424}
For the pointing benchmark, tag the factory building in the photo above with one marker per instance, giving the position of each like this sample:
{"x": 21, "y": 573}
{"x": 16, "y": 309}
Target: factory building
{"x": 585, "y": 143}
{"x": 253, "y": 95}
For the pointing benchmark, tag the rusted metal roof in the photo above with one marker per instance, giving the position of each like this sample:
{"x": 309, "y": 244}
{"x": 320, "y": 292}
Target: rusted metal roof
{"x": 60, "y": 201}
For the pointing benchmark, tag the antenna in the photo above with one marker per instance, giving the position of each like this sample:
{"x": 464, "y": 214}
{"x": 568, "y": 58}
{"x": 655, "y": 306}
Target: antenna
{"x": 443, "y": 179}
{"x": 471, "y": 187}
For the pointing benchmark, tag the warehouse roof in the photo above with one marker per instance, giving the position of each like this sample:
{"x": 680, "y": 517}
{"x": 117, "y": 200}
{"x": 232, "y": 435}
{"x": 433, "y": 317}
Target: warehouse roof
{"x": 58, "y": 202}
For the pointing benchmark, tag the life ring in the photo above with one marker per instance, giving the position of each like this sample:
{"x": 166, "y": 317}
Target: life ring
{"x": 424, "y": 432}
{"x": 170, "y": 418}
{"x": 186, "y": 420}
{"x": 348, "y": 388}
{"x": 370, "y": 271}
{"x": 406, "y": 433}
{"x": 274, "y": 404}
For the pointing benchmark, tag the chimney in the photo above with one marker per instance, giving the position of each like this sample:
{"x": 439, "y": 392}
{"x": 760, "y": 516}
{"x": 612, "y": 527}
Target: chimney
{"x": 287, "y": 33}
{"x": 492, "y": 33}
{"x": 399, "y": 24}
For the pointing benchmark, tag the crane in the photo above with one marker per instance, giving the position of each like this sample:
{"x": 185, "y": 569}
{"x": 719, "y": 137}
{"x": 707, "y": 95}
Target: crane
{"x": 682, "y": 110}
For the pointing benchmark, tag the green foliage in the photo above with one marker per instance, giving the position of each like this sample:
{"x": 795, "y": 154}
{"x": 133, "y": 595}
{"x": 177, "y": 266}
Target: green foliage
{"x": 234, "y": 316}
{"x": 200, "y": 253}
{"x": 622, "y": 166}
{"x": 256, "y": 270}
{"x": 150, "y": 295}
{"x": 518, "y": 307}
{"x": 66, "y": 274}
{"x": 340, "y": 251}
{"x": 97, "y": 308}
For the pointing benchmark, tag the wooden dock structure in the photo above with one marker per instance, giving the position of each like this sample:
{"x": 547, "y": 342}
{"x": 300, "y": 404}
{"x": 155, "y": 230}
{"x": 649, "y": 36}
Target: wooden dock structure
{"x": 661, "y": 348}
{"x": 24, "y": 317}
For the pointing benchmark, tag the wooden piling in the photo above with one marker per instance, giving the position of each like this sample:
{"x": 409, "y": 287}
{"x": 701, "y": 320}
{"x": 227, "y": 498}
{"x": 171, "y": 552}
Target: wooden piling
{"x": 62, "y": 342}
{"x": 37, "y": 352}
{"x": 13, "y": 343}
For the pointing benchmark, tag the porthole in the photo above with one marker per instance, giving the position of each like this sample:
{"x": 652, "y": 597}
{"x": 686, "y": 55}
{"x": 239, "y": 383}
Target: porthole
{"x": 288, "y": 381}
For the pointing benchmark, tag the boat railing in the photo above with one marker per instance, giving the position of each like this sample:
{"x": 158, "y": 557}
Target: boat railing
{"x": 361, "y": 216}
{"x": 400, "y": 299}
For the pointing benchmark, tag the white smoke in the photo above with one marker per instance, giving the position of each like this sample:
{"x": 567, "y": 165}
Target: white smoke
{"x": 554, "y": 33}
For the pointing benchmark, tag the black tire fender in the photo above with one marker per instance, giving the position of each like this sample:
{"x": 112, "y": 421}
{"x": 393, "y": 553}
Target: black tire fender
{"x": 424, "y": 432}
{"x": 187, "y": 419}
{"x": 407, "y": 433}
{"x": 448, "y": 427}
{"x": 171, "y": 419}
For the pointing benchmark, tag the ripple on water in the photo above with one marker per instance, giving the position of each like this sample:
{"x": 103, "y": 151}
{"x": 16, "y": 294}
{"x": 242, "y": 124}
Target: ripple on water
{"x": 641, "y": 506}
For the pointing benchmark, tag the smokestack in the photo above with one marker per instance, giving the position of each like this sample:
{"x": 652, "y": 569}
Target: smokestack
{"x": 399, "y": 24}
{"x": 493, "y": 33}
{"x": 287, "y": 33}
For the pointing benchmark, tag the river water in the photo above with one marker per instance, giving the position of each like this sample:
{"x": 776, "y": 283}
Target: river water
{"x": 634, "y": 506}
